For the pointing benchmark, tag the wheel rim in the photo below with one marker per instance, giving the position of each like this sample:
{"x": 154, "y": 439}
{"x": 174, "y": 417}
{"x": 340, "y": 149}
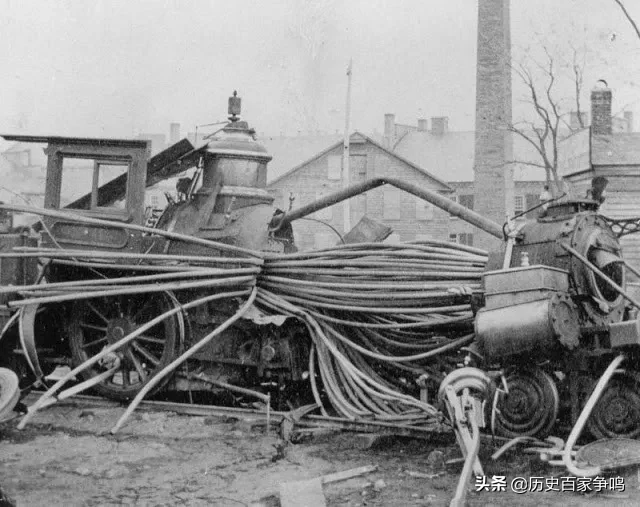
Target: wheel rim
{"x": 617, "y": 413}
{"x": 530, "y": 407}
{"x": 9, "y": 392}
{"x": 100, "y": 322}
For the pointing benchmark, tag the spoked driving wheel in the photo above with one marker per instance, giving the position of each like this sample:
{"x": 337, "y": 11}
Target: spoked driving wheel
{"x": 99, "y": 322}
{"x": 530, "y": 407}
{"x": 617, "y": 413}
{"x": 9, "y": 392}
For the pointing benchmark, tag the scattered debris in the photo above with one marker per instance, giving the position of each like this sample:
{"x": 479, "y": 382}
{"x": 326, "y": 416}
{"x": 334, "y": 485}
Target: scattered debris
{"x": 421, "y": 475}
{"x": 348, "y": 474}
{"x": 281, "y": 451}
{"x": 83, "y": 471}
{"x": 87, "y": 414}
{"x": 379, "y": 485}
{"x": 435, "y": 460}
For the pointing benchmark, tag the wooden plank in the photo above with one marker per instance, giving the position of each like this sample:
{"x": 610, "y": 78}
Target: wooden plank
{"x": 302, "y": 494}
{"x": 308, "y": 493}
{"x": 348, "y": 474}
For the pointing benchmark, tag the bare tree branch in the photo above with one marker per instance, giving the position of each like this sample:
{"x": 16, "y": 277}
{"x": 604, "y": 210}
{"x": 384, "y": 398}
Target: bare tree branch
{"x": 544, "y": 132}
{"x": 578, "y": 78}
{"x": 628, "y": 16}
{"x": 526, "y": 162}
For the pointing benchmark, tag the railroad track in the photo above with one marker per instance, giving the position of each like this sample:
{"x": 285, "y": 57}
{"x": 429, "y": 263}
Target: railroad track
{"x": 295, "y": 420}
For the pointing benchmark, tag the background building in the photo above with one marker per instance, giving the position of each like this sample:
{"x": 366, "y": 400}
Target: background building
{"x": 408, "y": 216}
{"x": 608, "y": 148}
{"x": 449, "y": 155}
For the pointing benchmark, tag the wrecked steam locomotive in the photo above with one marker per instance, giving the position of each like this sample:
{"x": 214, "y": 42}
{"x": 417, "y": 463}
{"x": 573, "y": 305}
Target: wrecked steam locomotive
{"x": 222, "y": 199}
{"x": 552, "y": 313}
{"x": 555, "y": 314}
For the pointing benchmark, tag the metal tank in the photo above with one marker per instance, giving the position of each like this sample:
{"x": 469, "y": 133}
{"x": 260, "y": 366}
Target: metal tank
{"x": 226, "y": 198}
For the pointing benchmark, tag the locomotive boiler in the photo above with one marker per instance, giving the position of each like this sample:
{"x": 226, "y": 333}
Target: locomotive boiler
{"x": 556, "y": 311}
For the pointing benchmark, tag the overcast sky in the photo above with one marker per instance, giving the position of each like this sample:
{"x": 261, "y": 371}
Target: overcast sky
{"x": 117, "y": 68}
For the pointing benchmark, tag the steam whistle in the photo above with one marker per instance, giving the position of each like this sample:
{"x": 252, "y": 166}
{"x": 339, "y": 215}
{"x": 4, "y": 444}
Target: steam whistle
{"x": 235, "y": 106}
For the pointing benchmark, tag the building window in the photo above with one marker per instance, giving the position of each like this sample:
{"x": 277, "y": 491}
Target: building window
{"x": 358, "y": 164}
{"x": 325, "y": 213}
{"x": 518, "y": 204}
{"x": 463, "y": 238}
{"x": 424, "y": 209}
{"x": 466, "y": 200}
{"x": 155, "y": 201}
{"x": 334, "y": 171}
{"x": 391, "y": 204}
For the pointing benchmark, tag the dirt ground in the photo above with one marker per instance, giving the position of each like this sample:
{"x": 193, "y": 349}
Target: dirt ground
{"x": 67, "y": 457}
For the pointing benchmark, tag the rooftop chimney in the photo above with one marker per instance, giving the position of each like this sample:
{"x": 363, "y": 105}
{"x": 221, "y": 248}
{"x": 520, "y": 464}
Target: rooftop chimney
{"x": 422, "y": 125}
{"x": 439, "y": 125}
{"x": 389, "y": 128}
{"x": 174, "y": 133}
{"x": 601, "y": 123}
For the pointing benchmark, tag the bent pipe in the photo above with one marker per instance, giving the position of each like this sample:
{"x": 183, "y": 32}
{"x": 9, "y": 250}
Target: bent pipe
{"x": 430, "y": 196}
{"x": 43, "y": 400}
{"x": 181, "y": 359}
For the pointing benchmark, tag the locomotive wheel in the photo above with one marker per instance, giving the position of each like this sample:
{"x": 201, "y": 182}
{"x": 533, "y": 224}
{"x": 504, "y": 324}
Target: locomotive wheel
{"x": 9, "y": 392}
{"x": 530, "y": 408}
{"x": 617, "y": 413}
{"x": 100, "y": 322}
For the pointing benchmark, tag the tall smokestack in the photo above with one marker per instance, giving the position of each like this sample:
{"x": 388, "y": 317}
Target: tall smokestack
{"x": 493, "y": 180}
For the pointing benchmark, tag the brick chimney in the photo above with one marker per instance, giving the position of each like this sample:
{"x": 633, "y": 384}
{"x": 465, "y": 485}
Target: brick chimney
{"x": 601, "y": 123}
{"x": 389, "y": 129}
{"x": 422, "y": 125}
{"x": 174, "y": 133}
{"x": 493, "y": 174}
{"x": 439, "y": 125}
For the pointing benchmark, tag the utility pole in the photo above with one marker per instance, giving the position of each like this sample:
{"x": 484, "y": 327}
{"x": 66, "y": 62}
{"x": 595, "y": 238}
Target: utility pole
{"x": 345, "y": 152}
